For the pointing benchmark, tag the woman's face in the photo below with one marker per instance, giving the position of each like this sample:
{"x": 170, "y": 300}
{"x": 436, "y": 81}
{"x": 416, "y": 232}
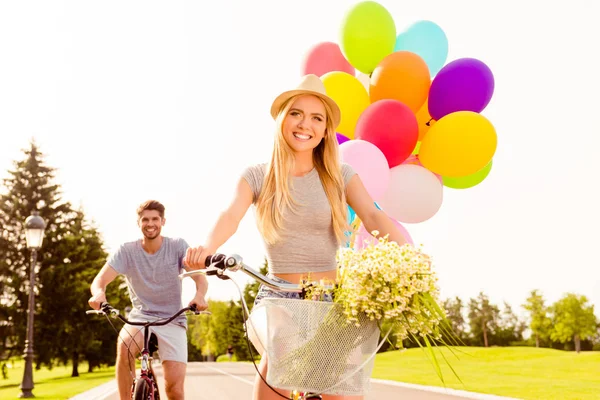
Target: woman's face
{"x": 305, "y": 124}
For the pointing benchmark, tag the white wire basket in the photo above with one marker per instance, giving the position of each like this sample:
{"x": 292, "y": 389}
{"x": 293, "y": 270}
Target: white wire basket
{"x": 311, "y": 348}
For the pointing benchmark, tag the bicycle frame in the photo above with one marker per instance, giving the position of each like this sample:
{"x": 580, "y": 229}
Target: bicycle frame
{"x": 146, "y": 371}
{"x": 234, "y": 262}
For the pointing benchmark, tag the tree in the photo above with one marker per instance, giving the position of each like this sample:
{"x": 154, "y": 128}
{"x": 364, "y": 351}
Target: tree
{"x": 29, "y": 187}
{"x": 573, "y": 319}
{"x": 225, "y": 326}
{"x": 510, "y": 327}
{"x": 65, "y": 291}
{"x": 454, "y": 309}
{"x": 539, "y": 322}
{"x": 483, "y": 318}
{"x": 71, "y": 255}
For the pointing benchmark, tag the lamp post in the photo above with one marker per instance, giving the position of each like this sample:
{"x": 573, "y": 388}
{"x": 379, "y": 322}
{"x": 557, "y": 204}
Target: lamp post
{"x": 34, "y": 232}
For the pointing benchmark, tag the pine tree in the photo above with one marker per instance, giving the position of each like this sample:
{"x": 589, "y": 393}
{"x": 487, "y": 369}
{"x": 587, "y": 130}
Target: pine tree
{"x": 29, "y": 187}
{"x": 71, "y": 255}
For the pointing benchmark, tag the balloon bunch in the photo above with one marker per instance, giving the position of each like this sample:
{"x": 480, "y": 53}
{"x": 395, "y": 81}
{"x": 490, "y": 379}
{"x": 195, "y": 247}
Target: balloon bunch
{"x": 411, "y": 124}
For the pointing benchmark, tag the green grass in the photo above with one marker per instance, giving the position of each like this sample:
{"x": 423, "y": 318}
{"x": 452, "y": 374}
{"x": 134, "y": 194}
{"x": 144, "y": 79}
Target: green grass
{"x": 53, "y": 384}
{"x": 521, "y": 372}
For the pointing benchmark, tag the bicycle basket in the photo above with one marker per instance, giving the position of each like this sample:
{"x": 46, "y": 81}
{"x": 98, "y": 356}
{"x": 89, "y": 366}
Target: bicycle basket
{"x": 311, "y": 348}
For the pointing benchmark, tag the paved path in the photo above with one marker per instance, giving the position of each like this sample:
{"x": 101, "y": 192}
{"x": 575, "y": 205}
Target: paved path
{"x": 234, "y": 381}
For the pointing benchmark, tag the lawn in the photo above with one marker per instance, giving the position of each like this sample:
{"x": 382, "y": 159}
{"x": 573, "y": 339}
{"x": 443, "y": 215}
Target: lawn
{"x": 521, "y": 372}
{"x": 53, "y": 384}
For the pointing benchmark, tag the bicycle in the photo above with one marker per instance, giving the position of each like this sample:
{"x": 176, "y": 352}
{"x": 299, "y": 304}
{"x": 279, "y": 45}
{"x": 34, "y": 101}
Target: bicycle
{"x": 145, "y": 386}
{"x": 218, "y": 264}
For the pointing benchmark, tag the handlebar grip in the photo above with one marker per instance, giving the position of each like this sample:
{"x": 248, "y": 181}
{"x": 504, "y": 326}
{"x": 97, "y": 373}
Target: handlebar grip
{"x": 216, "y": 260}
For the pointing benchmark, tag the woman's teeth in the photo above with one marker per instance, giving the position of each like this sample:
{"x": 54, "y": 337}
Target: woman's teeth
{"x": 301, "y": 136}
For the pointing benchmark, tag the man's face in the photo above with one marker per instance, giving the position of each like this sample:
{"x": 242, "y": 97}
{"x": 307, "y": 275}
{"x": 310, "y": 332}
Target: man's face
{"x": 151, "y": 224}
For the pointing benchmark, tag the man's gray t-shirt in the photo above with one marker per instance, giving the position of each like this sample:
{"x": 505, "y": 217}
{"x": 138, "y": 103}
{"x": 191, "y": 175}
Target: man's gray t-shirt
{"x": 152, "y": 279}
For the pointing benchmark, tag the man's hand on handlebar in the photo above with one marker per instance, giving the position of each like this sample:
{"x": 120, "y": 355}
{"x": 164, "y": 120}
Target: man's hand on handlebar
{"x": 195, "y": 257}
{"x": 96, "y": 300}
{"x": 198, "y": 303}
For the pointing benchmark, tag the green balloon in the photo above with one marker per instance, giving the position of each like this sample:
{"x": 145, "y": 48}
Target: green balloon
{"x": 368, "y": 34}
{"x": 416, "y": 149}
{"x": 465, "y": 182}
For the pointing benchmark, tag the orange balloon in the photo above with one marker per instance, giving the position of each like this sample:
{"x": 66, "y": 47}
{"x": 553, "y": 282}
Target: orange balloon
{"x": 402, "y": 76}
{"x": 423, "y": 118}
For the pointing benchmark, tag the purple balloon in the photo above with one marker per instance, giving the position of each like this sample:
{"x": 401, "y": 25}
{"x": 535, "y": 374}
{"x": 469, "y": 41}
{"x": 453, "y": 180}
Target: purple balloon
{"x": 465, "y": 84}
{"x": 341, "y": 138}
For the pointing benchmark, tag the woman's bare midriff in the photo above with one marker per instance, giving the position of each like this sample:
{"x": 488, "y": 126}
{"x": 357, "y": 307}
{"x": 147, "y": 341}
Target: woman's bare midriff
{"x": 314, "y": 276}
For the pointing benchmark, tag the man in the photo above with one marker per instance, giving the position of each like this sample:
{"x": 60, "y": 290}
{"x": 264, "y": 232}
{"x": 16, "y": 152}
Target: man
{"x": 151, "y": 266}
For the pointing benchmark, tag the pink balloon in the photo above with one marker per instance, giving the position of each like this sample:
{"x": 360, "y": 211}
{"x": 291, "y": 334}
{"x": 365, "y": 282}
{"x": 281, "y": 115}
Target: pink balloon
{"x": 414, "y": 194}
{"x": 414, "y": 160}
{"x": 362, "y": 235}
{"x": 369, "y": 163}
{"x": 325, "y": 57}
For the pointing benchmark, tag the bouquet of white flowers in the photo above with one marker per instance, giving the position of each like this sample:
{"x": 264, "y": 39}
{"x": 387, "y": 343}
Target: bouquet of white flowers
{"x": 381, "y": 284}
{"x": 390, "y": 283}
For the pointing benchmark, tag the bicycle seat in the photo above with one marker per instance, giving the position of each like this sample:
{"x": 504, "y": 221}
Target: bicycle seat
{"x": 152, "y": 343}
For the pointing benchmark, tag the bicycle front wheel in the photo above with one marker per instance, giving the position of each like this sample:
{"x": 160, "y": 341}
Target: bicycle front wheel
{"x": 143, "y": 390}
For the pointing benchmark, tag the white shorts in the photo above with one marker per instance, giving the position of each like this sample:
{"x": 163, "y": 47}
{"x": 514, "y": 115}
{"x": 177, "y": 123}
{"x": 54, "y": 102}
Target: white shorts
{"x": 172, "y": 341}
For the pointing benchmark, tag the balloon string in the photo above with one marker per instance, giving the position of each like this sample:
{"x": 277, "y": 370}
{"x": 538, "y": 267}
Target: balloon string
{"x": 429, "y": 122}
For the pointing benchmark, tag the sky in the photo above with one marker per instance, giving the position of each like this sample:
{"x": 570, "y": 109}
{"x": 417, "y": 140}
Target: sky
{"x": 170, "y": 100}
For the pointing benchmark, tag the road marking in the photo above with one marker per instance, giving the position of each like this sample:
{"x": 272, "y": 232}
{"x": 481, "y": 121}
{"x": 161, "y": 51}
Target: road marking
{"x": 228, "y": 374}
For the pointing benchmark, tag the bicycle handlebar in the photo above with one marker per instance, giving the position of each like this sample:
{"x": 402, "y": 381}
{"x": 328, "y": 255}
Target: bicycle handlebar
{"x": 106, "y": 308}
{"x": 221, "y": 263}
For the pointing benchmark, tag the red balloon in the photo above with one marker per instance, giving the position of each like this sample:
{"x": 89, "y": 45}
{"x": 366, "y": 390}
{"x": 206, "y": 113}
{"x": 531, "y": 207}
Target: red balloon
{"x": 325, "y": 57}
{"x": 392, "y": 127}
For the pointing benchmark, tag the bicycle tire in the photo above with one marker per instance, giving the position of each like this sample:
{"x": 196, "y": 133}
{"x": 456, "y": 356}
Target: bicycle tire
{"x": 142, "y": 389}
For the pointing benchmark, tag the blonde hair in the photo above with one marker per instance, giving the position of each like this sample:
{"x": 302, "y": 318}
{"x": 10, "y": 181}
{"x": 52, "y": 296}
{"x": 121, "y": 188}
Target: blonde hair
{"x": 275, "y": 194}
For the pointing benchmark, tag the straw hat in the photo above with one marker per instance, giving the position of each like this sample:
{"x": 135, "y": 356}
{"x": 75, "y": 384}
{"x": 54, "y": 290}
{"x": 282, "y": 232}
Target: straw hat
{"x": 310, "y": 84}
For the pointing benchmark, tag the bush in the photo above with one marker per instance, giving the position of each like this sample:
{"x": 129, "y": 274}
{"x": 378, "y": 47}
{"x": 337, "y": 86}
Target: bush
{"x": 522, "y": 343}
{"x": 225, "y": 358}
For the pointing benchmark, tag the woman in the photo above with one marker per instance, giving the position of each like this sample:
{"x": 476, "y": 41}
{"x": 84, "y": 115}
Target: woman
{"x": 300, "y": 198}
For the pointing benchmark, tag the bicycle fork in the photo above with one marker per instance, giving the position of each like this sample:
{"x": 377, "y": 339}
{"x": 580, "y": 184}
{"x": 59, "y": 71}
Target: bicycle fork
{"x": 146, "y": 372}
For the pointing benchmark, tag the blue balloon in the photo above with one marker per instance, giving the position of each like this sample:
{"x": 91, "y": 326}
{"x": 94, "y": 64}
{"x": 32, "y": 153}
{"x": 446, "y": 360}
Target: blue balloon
{"x": 427, "y": 40}
{"x": 377, "y": 205}
{"x": 351, "y": 215}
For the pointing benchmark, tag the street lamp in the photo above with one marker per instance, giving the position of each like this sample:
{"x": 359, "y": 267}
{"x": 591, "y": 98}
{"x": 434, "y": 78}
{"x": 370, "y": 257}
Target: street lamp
{"x": 34, "y": 233}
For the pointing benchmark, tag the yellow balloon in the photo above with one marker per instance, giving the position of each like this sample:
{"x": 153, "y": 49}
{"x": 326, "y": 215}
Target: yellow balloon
{"x": 459, "y": 144}
{"x": 350, "y": 95}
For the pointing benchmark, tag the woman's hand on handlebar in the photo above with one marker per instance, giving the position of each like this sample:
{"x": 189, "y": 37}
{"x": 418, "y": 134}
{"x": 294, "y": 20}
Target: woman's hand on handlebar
{"x": 195, "y": 257}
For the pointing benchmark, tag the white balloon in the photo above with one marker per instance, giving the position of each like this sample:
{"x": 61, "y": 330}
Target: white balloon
{"x": 414, "y": 194}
